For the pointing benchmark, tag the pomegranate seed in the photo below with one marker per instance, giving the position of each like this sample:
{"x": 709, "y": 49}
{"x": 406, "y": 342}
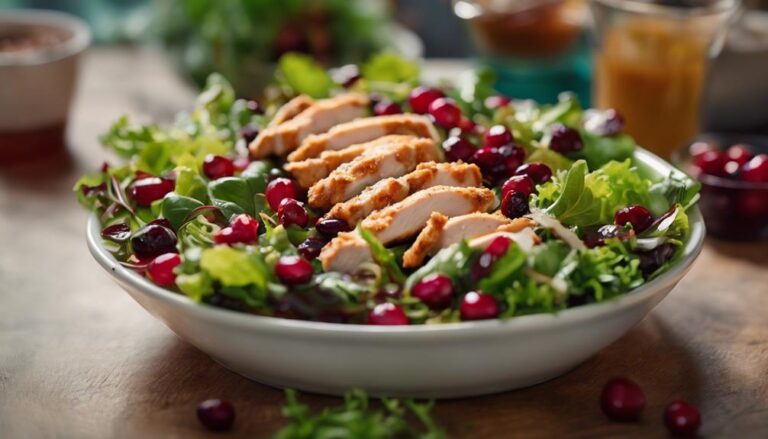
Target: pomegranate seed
{"x": 216, "y": 166}
{"x": 280, "y": 189}
{"x": 331, "y": 227}
{"x": 254, "y": 106}
{"x": 436, "y": 291}
{"x": 622, "y": 400}
{"x": 603, "y": 123}
{"x": 249, "y": 133}
{"x": 310, "y": 248}
{"x": 384, "y": 108}
{"x": 422, "y": 97}
{"x": 565, "y": 140}
{"x": 458, "y": 149}
{"x": 698, "y": 148}
{"x": 153, "y": 240}
{"x": 445, "y": 111}
{"x": 498, "y": 247}
{"x": 539, "y": 172}
{"x": 756, "y": 170}
{"x": 494, "y": 102}
{"x": 216, "y": 414}
{"x": 148, "y": 189}
{"x": 490, "y": 161}
{"x": 498, "y": 136}
{"x": 160, "y": 270}
{"x": 519, "y": 183}
{"x": 711, "y": 163}
{"x": 514, "y": 156}
{"x": 293, "y": 270}
{"x": 387, "y": 314}
{"x": 478, "y": 306}
{"x": 739, "y": 154}
{"x": 682, "y": 419}
{"x": 638, "y": 216}
{"x": 347, "y": 75}
{"x": 291, "y": 211}
{"x": 514, "y": 205}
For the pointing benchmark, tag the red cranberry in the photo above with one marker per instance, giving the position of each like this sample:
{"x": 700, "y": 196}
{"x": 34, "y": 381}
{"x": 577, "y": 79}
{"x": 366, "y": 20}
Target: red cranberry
{"x": 756, "y": 170}
{"x": 565, "y": 140}
{"x": 445, "y": 111}
{"x": 711, "y": 163}
{"x": 604, "y": 123}
{"x": 331, "y": 227}
{"x": 514, "y": 156}
{"x": 117, "y": 232}
{"x": 622, "y": 400}
{"x": 384, "y": 108}
{"x": 458, "y": 148}
{"x": 467, "y": 125}
{"x": 160, "y": 270}
{"x": 494, "y": 102}
{"x": 146, "y": 190}
{"x": 254, "y": 106}
{"x": 638, "y": 216}
{"x": 387, "y": 314}
{"x": 293, "y": 270}
{"x": 739, "y": 154}
{"x": 514, "y": 205}
{"x": 422, "y": 97}
{"x": 498, "y": 136}
{"x": 595, "y": 236}
{"x": 539, "y": 172}
{"x": 280, "y": 189}
{"x": 436, "y": 291}
{"x": 249, "y": 133}
{"x": 498, "y": 247}
{"x": 490, "y": 161}
{"x": 519, "y": 183}
{"x": 216, "y": 414}
{"x": 478, "y": 306}
{"x": 216, "y": 166}
{"x": 310, "y": 248}
{"x": 244, "y": 229}
{"x": 291, "y": 211}
{"x": 682, "y": 419}
{"x": 153, "y": 240}
{"x": 698, "y": 148}
{"x": 482, "y": 266}
{"x": 347, "y": 75}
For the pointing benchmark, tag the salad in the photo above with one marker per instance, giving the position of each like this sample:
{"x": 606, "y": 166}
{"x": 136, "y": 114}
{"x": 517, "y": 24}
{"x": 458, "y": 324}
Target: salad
{"x": 379, "y": 200}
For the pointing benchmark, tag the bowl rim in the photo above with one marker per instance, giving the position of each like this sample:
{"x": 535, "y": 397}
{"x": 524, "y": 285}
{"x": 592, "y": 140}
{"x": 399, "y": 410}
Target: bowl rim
{"x": 524, "y": 323}
{"x": 76, "y": 43}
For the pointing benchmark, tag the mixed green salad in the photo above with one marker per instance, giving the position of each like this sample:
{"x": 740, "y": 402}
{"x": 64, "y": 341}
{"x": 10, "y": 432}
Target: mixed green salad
{"x": 188, "y": 208}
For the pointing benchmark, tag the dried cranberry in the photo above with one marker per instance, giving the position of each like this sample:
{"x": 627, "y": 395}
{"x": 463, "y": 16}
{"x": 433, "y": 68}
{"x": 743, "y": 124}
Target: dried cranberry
{"x": 756, "y": 170}
{"x": 478, "y": 306}
{"x": 491, "y": 163}
{"x": 384, "y": 108}
{"x": 387, "y": 314}
{"x": 293, "y": 270}
{"x": 682, "y": 419}
{"x": 310, "y": 248}
{"x": 603, "y": 123}
{"x": 331, "y": 227}
{"x": 216, "y": 414}
{"x": 291, "y": 211}
{"x": 149, "y": 189}
{"x": 622, "y": 400}
{"x": 539, "y": 172}
{"x": 421, "y": 97}
{"x": 565, "y": 140}
{"x": 458, "y": 149}
{"x": 153, "y": 240}
{"x": 445, "y": 111}
{"x": 519, "y": 183}
{"x": 498, "y": 136}
{"x": 498, "y": 247}
{"x": 482, "y": 266}
{"x": 514, "y": 156}
{"x": 216, "y": 166}
{"x": 514, "y": 205}
{"x": 280, "y": 189}
{"x": 160, "y": 270}
{"x": 637, "y": 215}
{"x": 436, "y": 291}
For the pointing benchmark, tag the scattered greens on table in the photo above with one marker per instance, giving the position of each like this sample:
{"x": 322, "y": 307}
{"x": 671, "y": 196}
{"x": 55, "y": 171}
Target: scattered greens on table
{"x": 583, "y": 256}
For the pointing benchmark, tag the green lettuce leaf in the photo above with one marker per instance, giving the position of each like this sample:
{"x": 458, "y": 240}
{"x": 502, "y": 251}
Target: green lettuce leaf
{"x": 176, "y": 208}
{"x": 505, "y": 270}
{"x": 388, "y": 67}
{"x": 303, "y": 75}
{"x": 234, "y": 267}
{"x": 599, "y": 150}
{"x": 383, "y": 256}
{"x": 454, "y": 261}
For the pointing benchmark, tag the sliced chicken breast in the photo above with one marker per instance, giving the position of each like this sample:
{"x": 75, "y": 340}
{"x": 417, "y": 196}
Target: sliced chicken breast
{"x": 310, "y": 171}
{"x": 364, "y": 130}
{"x": 345, "y": 253}
{"x": 387, "y": 160}
{"x": 291, "y": 109}
{"x": 318, "y": 118}
{"x": 392, "y": 190}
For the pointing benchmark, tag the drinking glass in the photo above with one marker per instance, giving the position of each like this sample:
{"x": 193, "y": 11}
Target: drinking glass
{"x": 651, "y": 61}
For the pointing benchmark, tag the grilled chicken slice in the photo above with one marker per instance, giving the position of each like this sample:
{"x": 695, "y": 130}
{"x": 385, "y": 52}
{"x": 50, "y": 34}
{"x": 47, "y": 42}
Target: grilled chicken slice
{"x": 364, "y": 130}
{"x": 387, "y": 160}
{"x": 401, "y": 221}
{"x": 310, "y": 171}
{"x": 318, "y": 118}
{"x": 442, "y": 232}
{"x": 526, "y": 238}
{"x": 291, "y": 109}
{"x": 392, "y": 190}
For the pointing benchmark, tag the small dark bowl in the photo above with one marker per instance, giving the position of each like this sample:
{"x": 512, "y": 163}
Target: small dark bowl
{"x": 733, "y": 209}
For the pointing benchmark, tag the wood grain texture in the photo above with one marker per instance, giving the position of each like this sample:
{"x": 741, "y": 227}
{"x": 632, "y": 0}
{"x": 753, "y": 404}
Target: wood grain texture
{"x": 80, "y": 359}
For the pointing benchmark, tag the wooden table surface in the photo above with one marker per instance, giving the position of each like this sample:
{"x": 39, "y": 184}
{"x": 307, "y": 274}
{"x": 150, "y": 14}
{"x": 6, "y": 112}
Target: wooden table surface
{"x": 80, "y": 359}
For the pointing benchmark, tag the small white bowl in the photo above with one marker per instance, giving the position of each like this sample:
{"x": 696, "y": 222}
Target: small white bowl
{"x": 435, "y": 361}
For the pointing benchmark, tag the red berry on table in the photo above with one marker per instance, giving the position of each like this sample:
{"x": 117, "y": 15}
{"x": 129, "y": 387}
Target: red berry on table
{"x": 637, "y": 215}
{"x": 421, "y": 97}
{"x": 711, "y": 163}
{"x": 622, "y": 400}
{"x": 478, "y": 306}
{"x": 384, "y": 108}
{"x": 514, "y": 205}
{"x": 565, "y": 140}
{"x": 291, "y": 211}
{"x": 519, "y": 183}
{"x": 293, "y": 270}
{"x": 756, "y": 170}
{"x": 539, "y": 172}
{"x": 280, "y": 189}
{"x": 498, "y": 247}
{"x": 160, "y": 270}
{"x": 682, "y": 419}
{"x": 387, "y": 314}
{"x": 216, "y": 414}
{"x": 149, "y": 189}
{"x": 739, "y": 153}
{"x": 445, "y": 111}
{"x": 458, "y": 148}
{"x": 498, "y": 136}
{"x": 494, "y": 102}
{"x": 216, "y": 166}
{"x": 436, "y": 291}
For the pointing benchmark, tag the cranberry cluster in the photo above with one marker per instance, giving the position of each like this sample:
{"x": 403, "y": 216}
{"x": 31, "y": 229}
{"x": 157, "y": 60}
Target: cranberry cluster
{"x": 736, "y": 162}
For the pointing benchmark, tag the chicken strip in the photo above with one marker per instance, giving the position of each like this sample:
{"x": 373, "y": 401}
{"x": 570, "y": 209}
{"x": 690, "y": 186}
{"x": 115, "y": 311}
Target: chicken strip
{"x": 364, "y": 130}
{"x": 291, "y": 109}
{"x": 387, "y": 160}
{"x": 318, "y": 118}
{"x": 310, "y": 171}
{"x": 392, "y": 190}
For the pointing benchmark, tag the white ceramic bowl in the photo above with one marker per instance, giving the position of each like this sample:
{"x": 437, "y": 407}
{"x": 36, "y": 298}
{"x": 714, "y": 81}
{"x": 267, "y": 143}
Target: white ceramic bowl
{"x": 436, "y": 361}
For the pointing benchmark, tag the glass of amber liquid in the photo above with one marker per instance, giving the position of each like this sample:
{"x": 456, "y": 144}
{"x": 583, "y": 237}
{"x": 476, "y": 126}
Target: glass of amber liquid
{"x": 651, "y": 63}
